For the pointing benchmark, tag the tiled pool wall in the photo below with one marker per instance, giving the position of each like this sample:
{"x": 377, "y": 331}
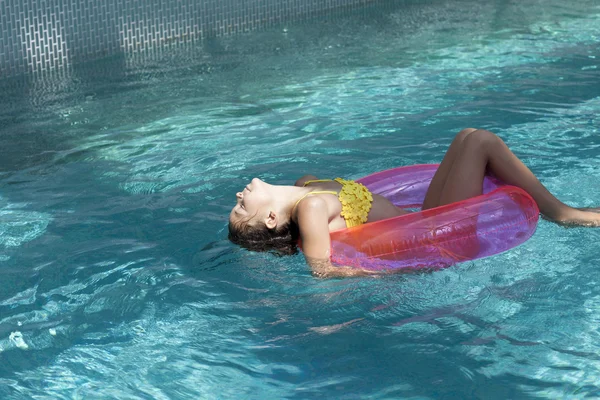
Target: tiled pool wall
{"x": 45, "y": 35}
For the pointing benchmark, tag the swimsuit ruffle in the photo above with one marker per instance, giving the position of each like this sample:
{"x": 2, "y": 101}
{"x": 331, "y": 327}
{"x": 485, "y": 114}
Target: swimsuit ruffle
{"x": 356, "y": 202}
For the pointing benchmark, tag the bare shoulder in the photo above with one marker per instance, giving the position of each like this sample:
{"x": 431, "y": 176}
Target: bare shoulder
{"x": 301, "y": 181}
{"x": 313, "y": 223}
{"x": 311, "y": 204}
{"x": 312, "y": 213}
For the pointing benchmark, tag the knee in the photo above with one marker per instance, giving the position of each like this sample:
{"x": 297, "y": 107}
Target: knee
{"x": 462, "y": 135}
{"x": 481, "y": 139}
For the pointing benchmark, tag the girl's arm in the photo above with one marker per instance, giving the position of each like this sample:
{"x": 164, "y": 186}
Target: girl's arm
{"x": 313, "y": 222}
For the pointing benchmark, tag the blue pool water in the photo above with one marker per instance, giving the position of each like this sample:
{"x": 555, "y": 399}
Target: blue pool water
{"x": 116, "y": 179}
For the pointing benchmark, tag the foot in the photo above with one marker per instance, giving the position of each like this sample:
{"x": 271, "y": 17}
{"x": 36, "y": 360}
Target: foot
{"x": 586, "y": 217}
{"x": 592, "y": 209}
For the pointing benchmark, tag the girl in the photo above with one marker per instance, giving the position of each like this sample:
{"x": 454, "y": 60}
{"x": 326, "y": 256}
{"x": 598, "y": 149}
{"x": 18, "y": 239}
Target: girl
{"x": 270, "y": 217}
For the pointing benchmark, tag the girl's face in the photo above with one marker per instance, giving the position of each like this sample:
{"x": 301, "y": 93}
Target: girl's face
{"x": 252, "y": 203}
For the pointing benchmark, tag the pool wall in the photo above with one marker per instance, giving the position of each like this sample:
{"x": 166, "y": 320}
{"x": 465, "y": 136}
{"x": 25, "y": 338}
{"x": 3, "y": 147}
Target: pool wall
{"x": 42, "y": 35}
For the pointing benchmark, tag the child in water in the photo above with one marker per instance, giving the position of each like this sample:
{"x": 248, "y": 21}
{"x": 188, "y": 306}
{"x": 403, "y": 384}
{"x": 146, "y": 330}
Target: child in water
{"x": 273, "y": 217}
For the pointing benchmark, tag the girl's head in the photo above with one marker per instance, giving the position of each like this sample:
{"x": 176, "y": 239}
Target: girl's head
{"x": 257, "y": 223}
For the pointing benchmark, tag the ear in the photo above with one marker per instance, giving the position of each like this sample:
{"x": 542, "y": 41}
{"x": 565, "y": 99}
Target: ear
{"x": 271, "y": 220}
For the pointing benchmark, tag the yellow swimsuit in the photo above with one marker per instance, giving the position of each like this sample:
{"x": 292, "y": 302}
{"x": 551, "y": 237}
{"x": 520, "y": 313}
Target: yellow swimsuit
{"x": 355, "y": 198}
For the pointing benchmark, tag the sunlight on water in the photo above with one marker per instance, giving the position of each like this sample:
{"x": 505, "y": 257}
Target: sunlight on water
{"x": 18, "y": 226}
{"x": 361, "y": 103}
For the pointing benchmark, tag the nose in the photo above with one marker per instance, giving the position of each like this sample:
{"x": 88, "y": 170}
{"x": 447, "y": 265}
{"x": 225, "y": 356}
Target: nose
{"x": 238, "y": 195}
{"x": 255, "y": 180}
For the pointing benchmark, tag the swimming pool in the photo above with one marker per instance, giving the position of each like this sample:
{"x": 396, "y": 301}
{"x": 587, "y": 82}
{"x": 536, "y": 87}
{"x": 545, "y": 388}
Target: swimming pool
{"x": 117, "y": 280}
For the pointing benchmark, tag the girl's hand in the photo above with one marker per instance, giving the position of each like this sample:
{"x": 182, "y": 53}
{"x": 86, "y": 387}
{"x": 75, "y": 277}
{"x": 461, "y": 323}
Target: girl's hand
{"x": 322, "y": 268}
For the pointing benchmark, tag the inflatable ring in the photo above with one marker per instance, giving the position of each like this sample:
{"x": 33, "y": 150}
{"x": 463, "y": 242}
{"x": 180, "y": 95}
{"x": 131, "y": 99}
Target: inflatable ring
{"x": 501, "y": 218}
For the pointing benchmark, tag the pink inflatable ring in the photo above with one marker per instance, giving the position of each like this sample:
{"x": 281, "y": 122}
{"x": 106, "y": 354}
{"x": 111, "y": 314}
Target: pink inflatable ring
{"x": 501, "y": 218}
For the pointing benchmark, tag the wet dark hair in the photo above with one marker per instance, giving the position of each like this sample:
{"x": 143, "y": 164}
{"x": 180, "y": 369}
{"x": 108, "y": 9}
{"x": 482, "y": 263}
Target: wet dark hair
{"x": 282, "y": 240}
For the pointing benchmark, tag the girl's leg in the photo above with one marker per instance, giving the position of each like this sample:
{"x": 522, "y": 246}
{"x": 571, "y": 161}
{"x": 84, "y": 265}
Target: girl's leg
{"x": 432, "y": 198}
{"x": 482, "y": 150}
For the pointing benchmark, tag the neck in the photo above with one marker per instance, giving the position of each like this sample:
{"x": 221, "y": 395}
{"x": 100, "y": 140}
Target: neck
{"x": 289, "y": 196}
